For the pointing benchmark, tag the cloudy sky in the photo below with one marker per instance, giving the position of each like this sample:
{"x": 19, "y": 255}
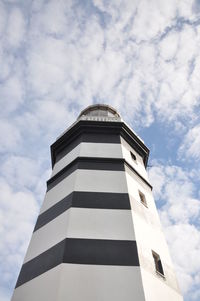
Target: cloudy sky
{"x": 140, "y": 56}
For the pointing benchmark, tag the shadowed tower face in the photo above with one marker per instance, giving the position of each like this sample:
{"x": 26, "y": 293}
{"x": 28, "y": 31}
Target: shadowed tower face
{"x": 98, "y": 234}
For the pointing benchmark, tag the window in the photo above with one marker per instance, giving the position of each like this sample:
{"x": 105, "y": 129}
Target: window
{"x": 142, "y": 198}
{"x": 158, "y": 263}
{"x": 133, "y": 157}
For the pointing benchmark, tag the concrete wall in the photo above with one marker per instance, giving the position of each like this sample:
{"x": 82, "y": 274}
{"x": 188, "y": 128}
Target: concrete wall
{"x": 156, "y": 288}
{"x": 138, "y": 163}
{"x": 150, "y": 237}
{"x": 86, "y": 149}
{"x": 86, "y": 180}
{"x": 82, "y": 223}
{"x": 136, "y": 225}
{"x": 84, "y": 282}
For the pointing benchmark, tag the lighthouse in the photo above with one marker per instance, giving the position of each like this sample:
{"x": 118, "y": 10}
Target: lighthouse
{"x": 98, "y": 235}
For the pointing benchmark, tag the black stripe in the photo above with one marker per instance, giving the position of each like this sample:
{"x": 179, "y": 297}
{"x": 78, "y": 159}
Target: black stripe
{"x": 96, "y": 137}
{"x": 64, "y": 151}
{"x": 101, "y": 200}
{"x": 93, "y": 163}
{"x": 87, "y": 137}
{"x": 81, "y": 251}
{"x": 54, "y": 211}
{"x": 98, "y": 131}
{"x": 86, "y": 163}
{"x": 61, "y": 175}
{"x": 82, "y": 199}
{"x": 42, "y": 263}
{"x": 101, "y": 252}
{"x": 101, "y": 164}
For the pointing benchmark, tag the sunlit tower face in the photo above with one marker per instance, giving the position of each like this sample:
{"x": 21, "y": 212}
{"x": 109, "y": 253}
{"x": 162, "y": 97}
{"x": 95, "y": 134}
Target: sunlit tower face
{"x": 98, "y": 234}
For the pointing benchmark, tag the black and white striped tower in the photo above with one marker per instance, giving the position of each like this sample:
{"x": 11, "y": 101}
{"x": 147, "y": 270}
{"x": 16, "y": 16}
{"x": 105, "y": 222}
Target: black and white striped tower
{"x": 98, "y": 235}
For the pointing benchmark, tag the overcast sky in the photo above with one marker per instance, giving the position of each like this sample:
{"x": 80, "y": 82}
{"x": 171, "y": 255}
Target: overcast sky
{"x": 141, "y": 57}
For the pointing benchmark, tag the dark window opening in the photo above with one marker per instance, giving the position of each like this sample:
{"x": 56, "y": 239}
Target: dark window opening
{"x": 133, "y": 156}
{"x": 158, "y": 263}
{"x": 142, "y": 198}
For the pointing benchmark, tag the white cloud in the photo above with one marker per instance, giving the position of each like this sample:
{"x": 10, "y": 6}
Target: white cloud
{"x": 17, "y": 215}
{"x": 75, "y": 53}
{"x": 158, "y": 180}
{"x": 169, "y": 46}
{"x": 176, "y": 189}
{"x": 6, "y": 62}
{"x": 152, "y": 22}
{"x": 3, "y": 15}
{"x": 188, "y": 45}
{"x": 179, "y": 212}
{"x": 184, "y": 241}
{"x": 142, "y": 57}
{"x": 11, "y": 94}
{"x": 179, "y": 235}
{"x": 15, "y": 28}
{"x": 55, "y": 11}
{"x": 185, "y": 9}
{"x": 191, "y": 144}
{"x": 37, "y": 5}
{"x": 4, "y": 295}
{"x": 54, "y": 115}
{"x": 10, "y": 136}
{"x": 47, "y": 62}
{"x": 24, "y": 173}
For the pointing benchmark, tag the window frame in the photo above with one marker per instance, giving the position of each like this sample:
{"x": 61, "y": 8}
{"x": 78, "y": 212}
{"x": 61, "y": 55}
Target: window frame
{"x": 158, "y": 264}
{"x": 143, "y": 199}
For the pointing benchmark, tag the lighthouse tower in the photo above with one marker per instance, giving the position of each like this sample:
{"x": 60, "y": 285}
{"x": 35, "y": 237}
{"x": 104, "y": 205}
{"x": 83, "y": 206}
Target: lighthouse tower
{"x": 98, "y": 236}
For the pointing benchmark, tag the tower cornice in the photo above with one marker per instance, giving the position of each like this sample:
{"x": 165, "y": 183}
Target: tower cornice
{"x": 103, "y": 127}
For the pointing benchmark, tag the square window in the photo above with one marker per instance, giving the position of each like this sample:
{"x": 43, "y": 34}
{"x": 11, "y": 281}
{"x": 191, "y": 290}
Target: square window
{"x": 142, "y": 198}
{"x": 158, "y": 263}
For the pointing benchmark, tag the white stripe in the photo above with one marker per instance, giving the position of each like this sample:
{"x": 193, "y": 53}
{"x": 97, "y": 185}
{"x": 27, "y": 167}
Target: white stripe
{"x": 86, "y": 180}
{"x": 85, "y": 149}
{"x": 82, "y": 223}
{"x": 73, "y": 282}
{"x": 58, "y": 192}
{"x": 101, "y": 180}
